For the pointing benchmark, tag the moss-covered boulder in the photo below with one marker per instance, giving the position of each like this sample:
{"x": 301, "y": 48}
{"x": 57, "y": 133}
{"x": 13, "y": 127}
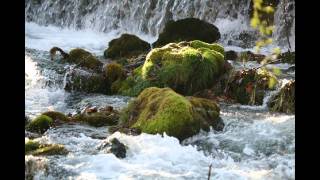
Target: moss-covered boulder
{"x": 84, "y": 59}
{"x": 84, "y": 81}
{"x": 186, "y": 67}
{"x": 249, "y": 86}
{"x": 126, "y": 46}
{"x": 98, "y": 119}
{"x": 284, "y": 101}
{"x": 40, "y": 124}
{"x": 56, "y": 116}
{"x": 159, "y": 110}
{"x": 187, "y": 30}
{"x": 36, "y": 149}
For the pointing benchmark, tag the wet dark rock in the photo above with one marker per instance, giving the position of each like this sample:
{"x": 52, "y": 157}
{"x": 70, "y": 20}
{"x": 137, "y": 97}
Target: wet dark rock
{"x": 231, "y": 55}
{"x": 126, "y": 46}
{"x": 85, "y": 81}
{"x": 187, "y": 30}
{"x": 287, "y": 57}
{"x": 115, "y": 147}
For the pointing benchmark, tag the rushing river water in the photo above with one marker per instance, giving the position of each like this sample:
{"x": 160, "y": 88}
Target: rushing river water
{"x": 254, "y": 144}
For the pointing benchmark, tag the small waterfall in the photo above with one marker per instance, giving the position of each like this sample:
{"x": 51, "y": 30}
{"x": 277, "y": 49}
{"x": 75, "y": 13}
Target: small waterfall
{"x": 149, "y": 17}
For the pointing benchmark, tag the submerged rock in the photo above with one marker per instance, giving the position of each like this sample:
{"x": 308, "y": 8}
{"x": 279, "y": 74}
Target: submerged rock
{"x": 284, "y": 101}
{"x": 115, "y": 147}
{"x": 126, "y": 46}
{"x": 158, "y": 110}
{"x": 186, "y": 67}
{"x": 40, "y": 124}
{"x": 187, "y": 30}
{"x": 249, "y": 86}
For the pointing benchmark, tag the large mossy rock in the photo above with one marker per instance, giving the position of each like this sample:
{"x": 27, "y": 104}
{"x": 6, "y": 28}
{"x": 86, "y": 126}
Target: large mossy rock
{"x": 40, "y": 124}
{"x": 159, "y": 110}
{"x": 284, "y": 101}
{"x": 126, "y": 46}
{"x": 84, "y": 59}
{"x": 249, "y": 86}
{"x": 187, "y": 30}
{"x": 186, "y": 67}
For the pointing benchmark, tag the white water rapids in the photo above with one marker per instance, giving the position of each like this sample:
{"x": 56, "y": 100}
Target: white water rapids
{"x": 254, "y": 145}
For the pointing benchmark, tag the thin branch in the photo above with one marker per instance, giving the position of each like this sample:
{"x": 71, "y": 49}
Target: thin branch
{"x": 209, "y": 173}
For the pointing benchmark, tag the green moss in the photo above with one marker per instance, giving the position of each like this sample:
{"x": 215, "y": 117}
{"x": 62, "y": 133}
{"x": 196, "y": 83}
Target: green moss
{"x": 31, "y": 146}
{"x": 114, "y": 71}
{"x": 184, "y": 68}
{"x": 126, "y": 46}
{"x": 84, "y": 59}
{"x": 187, "y": 30}
{"x": 98, "y": 119}
{"x": 40, "y": 124}
{"x": 214, "y": 46}
{"x": 49, "y": 150}
{"x": 158, "y": 110}
{"x": 54, "y": 115}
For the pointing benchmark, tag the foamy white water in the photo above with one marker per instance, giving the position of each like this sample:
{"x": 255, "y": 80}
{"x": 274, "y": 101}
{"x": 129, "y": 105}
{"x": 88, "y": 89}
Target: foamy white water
{"x": 46, "y": 37}
{"x": 254, "y": 144}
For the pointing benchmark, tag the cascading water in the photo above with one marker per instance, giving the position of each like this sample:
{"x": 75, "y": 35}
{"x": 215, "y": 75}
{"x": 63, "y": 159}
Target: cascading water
{"x": 149, "y": 17}
{"x": 255, "y": 144}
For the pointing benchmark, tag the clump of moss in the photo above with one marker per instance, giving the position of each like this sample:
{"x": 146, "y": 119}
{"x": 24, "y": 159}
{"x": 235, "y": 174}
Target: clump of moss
{"x": 56, "y": 116}
{"x": 84, "y": 59}
{"x": 40, "y": 124}
{"x": 158, "y": 110}
{"x": 249, "y": 86}
{"x": 31, "y": 146}
{"x": 184, "y": 67}
{"x": 35, "y": 148}
{"x": 126, "y": 46}
{"x": 98, "y": 119}
{"x": 114, "y": 71}
{"x": 187, "y": 29}
{"x": 284, "y": 101}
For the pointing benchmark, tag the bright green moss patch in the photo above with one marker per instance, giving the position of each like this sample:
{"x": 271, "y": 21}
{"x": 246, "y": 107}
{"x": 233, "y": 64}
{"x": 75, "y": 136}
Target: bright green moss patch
{"x": 40, "y": 124}
{"x": 184, "y": 68}
{"x": 158, "y": 110}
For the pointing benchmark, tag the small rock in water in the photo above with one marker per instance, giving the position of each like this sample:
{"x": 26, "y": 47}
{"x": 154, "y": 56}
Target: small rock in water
{"x": 115, "y": 147}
